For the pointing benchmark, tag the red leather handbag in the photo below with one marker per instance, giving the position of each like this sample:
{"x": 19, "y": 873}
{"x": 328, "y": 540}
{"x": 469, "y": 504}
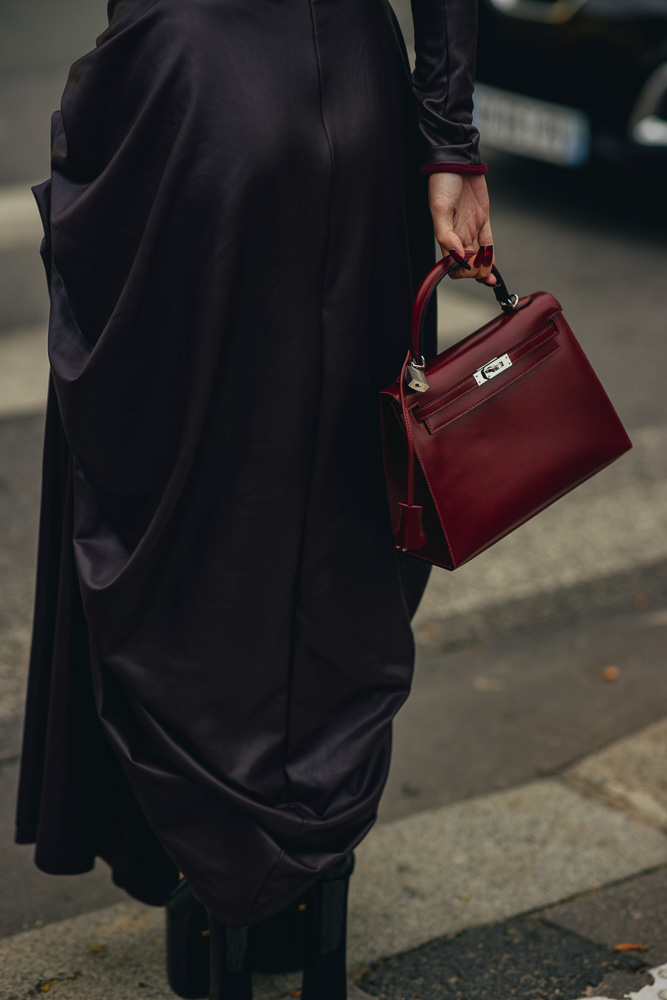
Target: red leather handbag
{"x": 493, "y": 430}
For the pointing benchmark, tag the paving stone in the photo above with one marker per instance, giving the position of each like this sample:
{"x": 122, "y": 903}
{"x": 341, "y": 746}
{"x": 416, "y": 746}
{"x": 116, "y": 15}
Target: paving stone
{"x": 633, "y": 771}
{"x": 519, "y": 958}
{"x": 488, "y": 859}
{"x": 112, "y": 954}
{"x": 417, "y": 879}
{"x": 633, "y": 912}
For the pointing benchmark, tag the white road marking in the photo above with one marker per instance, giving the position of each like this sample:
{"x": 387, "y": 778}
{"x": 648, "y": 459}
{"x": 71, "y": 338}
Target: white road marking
{"x": 460, "y": 314}
{"x": 23, "y": 359}
{"x": 657, "y": 990}
{"x": 20, "y": 224}
{"x": 24, "y": 371}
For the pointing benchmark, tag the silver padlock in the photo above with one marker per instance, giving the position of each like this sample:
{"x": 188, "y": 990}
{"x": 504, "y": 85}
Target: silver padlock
{"x": 415, "y": 377}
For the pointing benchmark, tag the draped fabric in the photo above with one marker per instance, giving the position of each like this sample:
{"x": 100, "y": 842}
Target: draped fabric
{"x": 234, "y": 226}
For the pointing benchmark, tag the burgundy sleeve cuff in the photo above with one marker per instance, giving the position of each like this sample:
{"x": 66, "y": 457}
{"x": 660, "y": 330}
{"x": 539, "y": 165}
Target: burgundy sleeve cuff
{"x": 453, "y": 168}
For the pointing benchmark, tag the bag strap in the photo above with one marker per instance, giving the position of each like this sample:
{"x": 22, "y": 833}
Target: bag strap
{"x": 433, "y": 278}
{"x": 409, "y": 534}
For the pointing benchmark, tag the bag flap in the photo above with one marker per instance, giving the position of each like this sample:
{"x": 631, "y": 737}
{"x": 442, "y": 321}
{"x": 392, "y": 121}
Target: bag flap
{"x": 490, "y": 341}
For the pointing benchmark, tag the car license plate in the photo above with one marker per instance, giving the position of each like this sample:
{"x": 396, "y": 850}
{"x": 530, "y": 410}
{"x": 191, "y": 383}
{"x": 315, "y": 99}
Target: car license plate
{"x": 517, "y": 124}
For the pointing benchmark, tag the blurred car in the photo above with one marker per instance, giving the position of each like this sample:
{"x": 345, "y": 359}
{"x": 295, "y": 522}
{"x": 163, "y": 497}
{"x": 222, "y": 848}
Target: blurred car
{"x": 570, "y": 80}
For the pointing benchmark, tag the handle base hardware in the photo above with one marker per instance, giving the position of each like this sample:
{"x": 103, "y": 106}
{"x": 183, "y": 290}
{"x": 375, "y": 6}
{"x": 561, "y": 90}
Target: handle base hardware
{"x": 510, "y": 303}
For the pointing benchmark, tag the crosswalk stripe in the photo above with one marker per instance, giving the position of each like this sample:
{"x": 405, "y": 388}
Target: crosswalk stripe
{"x": 24, "y": 369}
{"x": 20, "y": 224}
{"x": 23, "y": 360}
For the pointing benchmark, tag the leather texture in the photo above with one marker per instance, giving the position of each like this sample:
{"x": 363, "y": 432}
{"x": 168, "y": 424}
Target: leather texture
{"x": 465, "y": 463}
{"x": 222, "y": 624}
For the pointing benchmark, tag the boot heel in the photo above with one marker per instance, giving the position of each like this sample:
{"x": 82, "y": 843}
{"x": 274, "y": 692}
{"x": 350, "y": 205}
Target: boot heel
{"x": 325, "y": 972}
{"x": 230, "y": 969}
{"x": 278, "y": 944}
{"x": 187, "y": 943}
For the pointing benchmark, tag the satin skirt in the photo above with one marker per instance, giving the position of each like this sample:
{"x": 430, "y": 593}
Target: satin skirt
{"x": 234, "y": 228}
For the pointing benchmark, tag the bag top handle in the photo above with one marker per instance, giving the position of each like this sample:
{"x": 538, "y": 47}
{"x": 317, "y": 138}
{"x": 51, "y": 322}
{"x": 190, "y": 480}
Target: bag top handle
{"x": 433, "y": 278}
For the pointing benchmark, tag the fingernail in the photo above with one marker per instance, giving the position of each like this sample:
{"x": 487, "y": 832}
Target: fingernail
{"x": 459, "y": 259}
{"x": 479, "y": 258}
{"x": 488, "y": 256}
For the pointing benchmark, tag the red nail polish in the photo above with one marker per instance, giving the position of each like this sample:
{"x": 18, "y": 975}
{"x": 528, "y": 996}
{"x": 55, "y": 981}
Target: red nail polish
{"x": 479, "y": 258}
{"x": 457, "y": 256}
{"x": 488, "y": 256}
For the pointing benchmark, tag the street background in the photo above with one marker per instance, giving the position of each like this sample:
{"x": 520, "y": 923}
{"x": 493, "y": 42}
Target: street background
{"x": 529, "y": 763}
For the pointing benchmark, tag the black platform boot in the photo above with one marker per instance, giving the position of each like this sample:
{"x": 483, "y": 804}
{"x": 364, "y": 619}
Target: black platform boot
{"x": 277, "y": 945}
{"x": 325, "y": 973}
{"x": 187, "y": 943}
{"x": 230, "y": 969}
{"x": 310, "y": 934}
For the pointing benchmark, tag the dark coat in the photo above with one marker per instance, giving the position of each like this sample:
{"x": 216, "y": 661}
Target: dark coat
{"x": 234, "y": 226}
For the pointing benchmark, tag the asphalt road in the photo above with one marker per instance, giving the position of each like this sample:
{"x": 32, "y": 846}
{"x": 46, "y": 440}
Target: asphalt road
{"x": 485, "y": 716}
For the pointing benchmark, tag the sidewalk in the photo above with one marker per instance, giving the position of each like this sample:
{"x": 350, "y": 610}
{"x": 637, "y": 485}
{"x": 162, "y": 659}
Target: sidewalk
{"x": 520, "y": 893}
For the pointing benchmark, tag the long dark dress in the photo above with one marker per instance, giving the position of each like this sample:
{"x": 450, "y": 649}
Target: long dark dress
{"x": 234, "y": 226}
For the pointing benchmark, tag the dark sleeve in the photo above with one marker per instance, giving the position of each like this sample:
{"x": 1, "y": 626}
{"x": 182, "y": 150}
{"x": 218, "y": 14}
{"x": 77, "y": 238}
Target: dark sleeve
{"x": 443, "y": 82}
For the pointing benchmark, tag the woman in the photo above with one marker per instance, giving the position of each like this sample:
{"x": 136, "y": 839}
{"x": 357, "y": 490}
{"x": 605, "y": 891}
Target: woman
{"x": 234, "y": 227}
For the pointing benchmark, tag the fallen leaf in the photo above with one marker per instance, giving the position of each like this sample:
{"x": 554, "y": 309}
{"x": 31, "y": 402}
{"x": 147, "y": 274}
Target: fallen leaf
{"x": 463, "y": 895}
{"x": 295, "y": 993}
{"x": 98, "y": 949}
{"x": 206, "y": 933}
{"x": 611, "y": 674}
{"x": 631, "y": 947}
{"x": 430, "y": 628}
{"x": 45, "y": 987}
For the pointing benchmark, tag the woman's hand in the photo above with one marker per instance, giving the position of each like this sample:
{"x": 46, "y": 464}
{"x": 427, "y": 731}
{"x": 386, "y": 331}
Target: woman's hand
{"x": 460, "y": 209}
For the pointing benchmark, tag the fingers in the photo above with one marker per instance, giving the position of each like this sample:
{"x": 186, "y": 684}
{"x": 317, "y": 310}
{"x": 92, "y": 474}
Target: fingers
{"x": 485, "y": 254}
{"x": 451, "y": 246}
{"x": 483, "y": 263}
{"x": 465, "y": 259}
{"x": 450, "y": 243}
{"x": 479, "y": 260}
{"x": 460, "y": 210}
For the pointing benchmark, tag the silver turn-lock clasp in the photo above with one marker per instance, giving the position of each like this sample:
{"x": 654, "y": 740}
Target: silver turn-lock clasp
{"x": 492, "y": 368}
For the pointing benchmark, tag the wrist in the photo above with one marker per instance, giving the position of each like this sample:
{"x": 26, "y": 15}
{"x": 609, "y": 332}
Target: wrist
{"x": 453, "y": 168}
